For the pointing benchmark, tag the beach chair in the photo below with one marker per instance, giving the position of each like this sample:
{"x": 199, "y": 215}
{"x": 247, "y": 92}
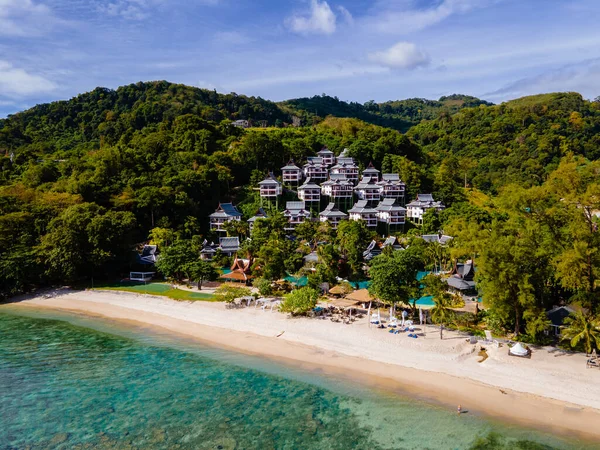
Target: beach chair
{"x": 489, "y": 339}
{"x": 592, "y": 363}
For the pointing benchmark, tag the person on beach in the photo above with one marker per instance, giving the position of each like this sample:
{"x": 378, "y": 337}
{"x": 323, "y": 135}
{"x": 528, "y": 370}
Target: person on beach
{"x": 459, "y": 410}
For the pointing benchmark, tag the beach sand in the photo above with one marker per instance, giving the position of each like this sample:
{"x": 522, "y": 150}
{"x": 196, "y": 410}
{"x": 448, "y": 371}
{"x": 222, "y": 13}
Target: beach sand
{"x": 551, "y": 391}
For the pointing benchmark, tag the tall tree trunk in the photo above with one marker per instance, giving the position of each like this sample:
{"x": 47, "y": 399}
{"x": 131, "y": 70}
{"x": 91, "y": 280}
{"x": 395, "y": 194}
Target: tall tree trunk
{"x": 517, "y": 319}
{"x": 441, "y": 331}
{"x": 200, "y": 284}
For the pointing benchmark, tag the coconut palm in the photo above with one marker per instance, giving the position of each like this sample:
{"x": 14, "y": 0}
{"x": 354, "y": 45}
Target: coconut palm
{"x": 583, "y": 328}
{"x": 442, "y": 313}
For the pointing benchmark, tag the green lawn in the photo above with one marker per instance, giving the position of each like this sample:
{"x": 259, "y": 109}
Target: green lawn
{"x": 156, "y": 289}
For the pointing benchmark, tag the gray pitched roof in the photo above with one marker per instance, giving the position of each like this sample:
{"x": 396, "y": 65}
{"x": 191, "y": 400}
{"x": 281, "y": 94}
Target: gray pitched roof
{"x": 229, "y": 243}
{"x": 367, "y": 183}
{"x": 226, "y": 210}
{"x": 260, "y": 214}
{"x": 295, "y": 206}
{"x": 361, "y": 207}
{"x": 391, "y": 177}
{"x": 389, "y": 204}
{"x": 370, "y": 169}
{"x": 309, "y": 185}
{"x": 290, "y": 166}
{"x": 460, "y": 284}
{"x": 442, "y": 239}
{"x": 270, "y": 180}
{"x": 325, "y": 151}
{"x": 332, "y": 211}
{"x": 425, "y": 198}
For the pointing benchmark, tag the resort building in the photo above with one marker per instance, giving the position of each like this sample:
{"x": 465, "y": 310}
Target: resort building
{"x": 225, "y": 212}
{"x": 239, "y": 271}
{"x": 368, "y": 190}
{"x": 327, "y": 156}
{"x": 360, "y": 211}
{"x": 229, "y": 245}
{"x": 260, "y": 214}
{"x": 371, "y": 172}
{"x": 392, "y": 187}
{"x": 343, "y": 154}
{"x": 372, "y": 251}
{"x": 417, "y": 208}
{"x": 390, "y": 213}
{"x": 208, "y": 251}
{"x": 348, "y": 167}
{"x": 316, "y": 169}
{"x": 332, "y": 215}
{"x": 309, "y": 192}
{"x": 291, "y": 173}
{"x": 440, "y": 238}
{"x": 461, "y": 277}
{"x": 337, "y": 187}
{"x": 241, "y": 123}
{"x": 392, "y": 242}
{"x": 296, "y": 213}
{"x": 270, "y": 188}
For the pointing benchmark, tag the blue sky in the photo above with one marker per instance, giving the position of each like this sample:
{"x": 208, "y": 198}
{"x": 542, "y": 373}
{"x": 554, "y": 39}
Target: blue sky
{"x": 355, "y": 49}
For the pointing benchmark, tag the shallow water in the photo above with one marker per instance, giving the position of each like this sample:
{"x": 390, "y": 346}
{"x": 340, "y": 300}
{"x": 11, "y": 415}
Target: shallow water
{"x": 80, "y": 383}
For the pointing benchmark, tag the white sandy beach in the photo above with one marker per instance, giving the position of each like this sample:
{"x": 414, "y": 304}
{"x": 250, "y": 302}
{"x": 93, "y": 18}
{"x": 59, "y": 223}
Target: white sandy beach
{"x": 552, "y": 389}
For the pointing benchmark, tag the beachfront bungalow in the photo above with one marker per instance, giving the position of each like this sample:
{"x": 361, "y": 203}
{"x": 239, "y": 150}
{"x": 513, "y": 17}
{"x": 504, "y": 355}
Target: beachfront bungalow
{"x": 229, "y": 245}
{"x": 557, "y": 316}
{"x": 368, "y": 190}
{"x": 260, "y": 214}
{"x": 309, "y": 191}
{"x": 440, "y": 238}
{"x": 327, "y": 155}
{"x": 372, "y": 251}
{"x": 348, "y": 167}
{"x": 270, "y": 187}
{"x": 392, "y": 187}
{"x": 225, "y": 212}
{"x": 316, "y": 169}
{"x": 296, "y": 213}
{"x": 361, "y": 211}
{"x": 462, "y": 276}
{"x": 423, "y": 203}
{"x": 390, "y": 213}
{"x": 291, "y": 173}
{"x": 371, "y": 172}
{"x": 332, "y": 215}
{"x": 337, "y": 187}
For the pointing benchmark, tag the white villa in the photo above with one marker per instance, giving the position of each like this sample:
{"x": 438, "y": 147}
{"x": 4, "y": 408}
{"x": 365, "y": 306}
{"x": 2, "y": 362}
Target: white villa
{"x": 368, "y": 190}
{"x": 391, "y": 186}
{"x": 260, "y": 214}
{"x": 296, "y": 213}
{"x": 229, "y": 245}
{"x": 337, "y": 187}
{"x": 327, "y": 156}
{"x": 309, "y": 191}
{"x": 390, "y": 213}
{"x": 291, "y": 173}
{"x": 348, "y": 167}
{"x": 270, "y": 187}
{"x": 417, "y": 208}
{"x": 360, "y": 211}
{"x": 371, "y": 172}
{"x": 332, "y": 215}
{"x": 316, "y": 169}
{"x": 224, "y": 213}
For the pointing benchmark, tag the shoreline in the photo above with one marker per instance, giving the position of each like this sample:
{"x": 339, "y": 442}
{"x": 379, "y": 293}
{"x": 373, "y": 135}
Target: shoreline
{"x": 367, "y": 357}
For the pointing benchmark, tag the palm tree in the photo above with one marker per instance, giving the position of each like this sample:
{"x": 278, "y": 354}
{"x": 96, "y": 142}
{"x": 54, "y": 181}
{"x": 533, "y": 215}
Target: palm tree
{"x": 583, "y": 328}
{"x": 442, "y": 313}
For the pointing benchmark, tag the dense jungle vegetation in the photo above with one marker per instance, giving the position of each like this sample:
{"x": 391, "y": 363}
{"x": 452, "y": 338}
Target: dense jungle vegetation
{"x": 82, "y": 181}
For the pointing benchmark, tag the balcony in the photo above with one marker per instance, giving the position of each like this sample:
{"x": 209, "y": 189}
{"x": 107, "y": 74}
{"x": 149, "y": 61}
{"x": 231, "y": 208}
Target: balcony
{"x": 269, "y": 192}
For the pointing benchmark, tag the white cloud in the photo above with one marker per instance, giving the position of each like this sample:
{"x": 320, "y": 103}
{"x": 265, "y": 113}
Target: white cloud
{"x": 579, "y": 77}
{"x": 16, "y": 82}
{"x": 391, "y": 16}
{"x": 346, "y": 15}
{"x": 24, "y": 18}
{"x": 403, "y": 55}
{"x": 321, "y": 19}
{"x": 137, "y": 10}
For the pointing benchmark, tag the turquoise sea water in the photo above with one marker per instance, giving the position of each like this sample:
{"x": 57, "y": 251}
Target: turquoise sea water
{"x": 79, "y": 383}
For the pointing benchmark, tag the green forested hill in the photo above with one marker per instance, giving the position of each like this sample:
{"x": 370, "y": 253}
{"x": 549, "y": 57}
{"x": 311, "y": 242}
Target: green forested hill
{"x": 83, "y": 180}
{"x": 398, "y": 114}
{"x": 520, "y": 141}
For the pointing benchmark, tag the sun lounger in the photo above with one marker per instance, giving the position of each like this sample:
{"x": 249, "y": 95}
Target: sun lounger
{"x": 592, "y": 363}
